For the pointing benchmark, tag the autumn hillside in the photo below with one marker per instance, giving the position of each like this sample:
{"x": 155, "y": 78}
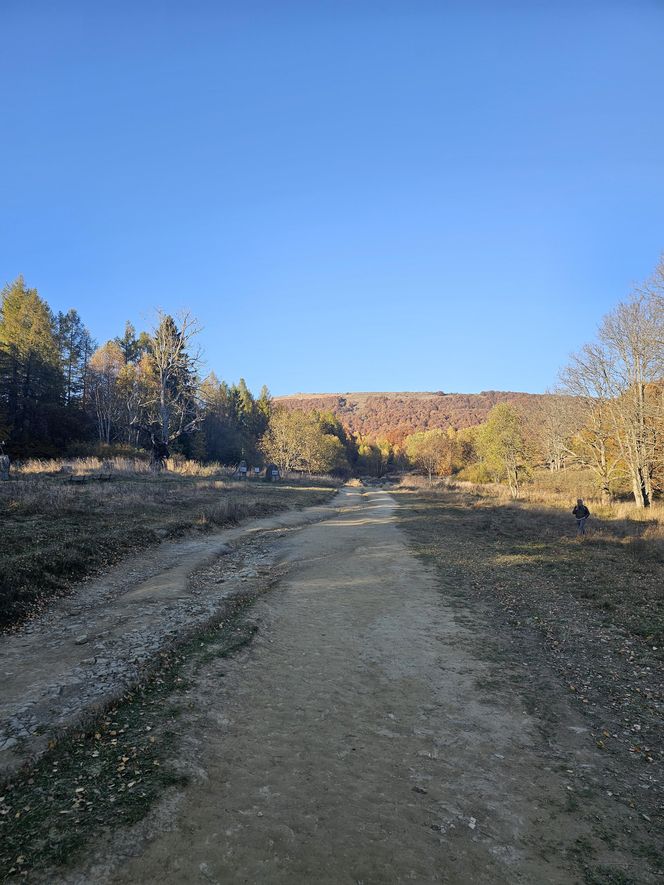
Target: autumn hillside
{"x": 394, "y": 415}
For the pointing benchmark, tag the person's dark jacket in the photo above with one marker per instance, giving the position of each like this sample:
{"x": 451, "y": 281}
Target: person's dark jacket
{"x": 581, "y": 512}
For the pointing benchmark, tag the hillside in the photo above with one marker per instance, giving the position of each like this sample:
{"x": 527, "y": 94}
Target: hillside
{"x": 395, "y": 415}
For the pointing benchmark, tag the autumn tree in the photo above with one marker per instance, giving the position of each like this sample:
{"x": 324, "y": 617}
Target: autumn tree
{"x": 321, "y": 452}
{"x": 296, "y": 440}
{"x": 465, "y": 448}
{"x": 284, "y": 441}
{"x": 134, "y": 386}
{"x": 374, "y": 456}
{"x": 331, "y": 426}
{"x": 501, "y": 445}
{"x": 593, "y": 446}
{"x": 430, "y": 451}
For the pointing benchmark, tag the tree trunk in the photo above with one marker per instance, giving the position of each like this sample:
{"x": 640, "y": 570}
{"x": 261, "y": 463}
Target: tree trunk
{"x": 638, "y": 489}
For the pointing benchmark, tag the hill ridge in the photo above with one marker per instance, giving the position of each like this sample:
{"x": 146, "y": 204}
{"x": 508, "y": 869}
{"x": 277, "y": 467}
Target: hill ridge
{"x": 393, "y": 415}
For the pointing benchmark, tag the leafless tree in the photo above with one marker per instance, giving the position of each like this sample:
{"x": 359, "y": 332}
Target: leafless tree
{"x": 104, "y": 368}
{"x": 172, "y": 396}
{"x": 551, "y": 426}
{"x": 619, "y": 377}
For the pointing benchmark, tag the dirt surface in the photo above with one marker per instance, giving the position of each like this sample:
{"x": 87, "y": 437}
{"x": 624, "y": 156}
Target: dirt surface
{"x": 366, "y": 736}
{"x": 93, "y": 645}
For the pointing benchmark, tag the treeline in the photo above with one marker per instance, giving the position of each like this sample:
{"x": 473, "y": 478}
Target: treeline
{"x": 61, "y": 393}
{"x": 606, "y": 416}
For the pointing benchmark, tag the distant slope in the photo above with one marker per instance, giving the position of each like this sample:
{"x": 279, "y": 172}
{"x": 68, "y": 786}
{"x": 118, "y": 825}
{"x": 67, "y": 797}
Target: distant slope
{"x": 395, "y": 415}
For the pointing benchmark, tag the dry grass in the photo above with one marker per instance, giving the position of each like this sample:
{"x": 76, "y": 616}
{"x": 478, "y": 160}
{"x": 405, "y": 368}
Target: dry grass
{"x": 117, "y": 466}
{"x": 556, "y": 492}
{"x": 56, "y": 531}
{"x": 620, "y": 559}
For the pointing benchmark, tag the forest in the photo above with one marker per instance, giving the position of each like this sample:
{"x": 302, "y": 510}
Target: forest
{"x": 64, "y": 395}
{"x": 394, "y": 416}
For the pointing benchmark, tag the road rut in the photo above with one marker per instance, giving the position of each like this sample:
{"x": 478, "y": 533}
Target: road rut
{"x": 91, "y": 647}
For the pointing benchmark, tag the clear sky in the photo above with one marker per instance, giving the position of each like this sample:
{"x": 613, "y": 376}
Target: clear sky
{"x": 350, "y": 195}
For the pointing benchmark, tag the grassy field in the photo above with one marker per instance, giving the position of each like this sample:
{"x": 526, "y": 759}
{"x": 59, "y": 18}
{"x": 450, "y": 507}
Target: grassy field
{"x": 61, "y": 522}
{"x": 528, "y": 551}
{"x": 584, "y": 614}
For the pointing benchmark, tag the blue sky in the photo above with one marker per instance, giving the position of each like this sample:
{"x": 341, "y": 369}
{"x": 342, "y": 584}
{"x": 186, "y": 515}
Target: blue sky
{"x": 348, "y": 195}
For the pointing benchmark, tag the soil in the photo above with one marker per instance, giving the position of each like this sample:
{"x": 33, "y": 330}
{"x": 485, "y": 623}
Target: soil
{"x": 376, "y": 730}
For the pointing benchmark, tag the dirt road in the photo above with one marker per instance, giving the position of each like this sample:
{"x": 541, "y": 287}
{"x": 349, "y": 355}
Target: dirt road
{"x": 86, "y": 650}
{"x": 353, "y": 742}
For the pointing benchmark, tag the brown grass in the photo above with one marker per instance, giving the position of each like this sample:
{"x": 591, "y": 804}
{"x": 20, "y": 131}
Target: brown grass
{"x": 552, "y": 491}
{"x": 118, "y": 466}
{"x": 530, "y": 551}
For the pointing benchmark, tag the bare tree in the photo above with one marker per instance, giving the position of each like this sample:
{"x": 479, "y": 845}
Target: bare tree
{"x": 551, "y": 426}
{"x": 621, "y": 376}
{"x": 175, "y": 373}
{"x": 653, "y": 291}
{"x": 104, "y": 368}
{"x": 593, "y": 446}
{"x": 171, "y": 406}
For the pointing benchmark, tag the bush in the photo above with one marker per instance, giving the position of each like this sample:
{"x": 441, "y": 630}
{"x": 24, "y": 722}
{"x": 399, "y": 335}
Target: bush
{"x": 475, "y": 473}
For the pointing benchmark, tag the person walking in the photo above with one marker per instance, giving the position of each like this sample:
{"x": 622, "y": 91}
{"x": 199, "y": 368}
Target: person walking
{"x": 581, "y": 513}
{"x": 5, "y": 463}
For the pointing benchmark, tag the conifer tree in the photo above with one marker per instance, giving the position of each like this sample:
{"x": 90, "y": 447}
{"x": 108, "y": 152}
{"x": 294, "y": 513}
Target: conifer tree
{"x": 31, "y": 378}
{"x": 75, "y": 345}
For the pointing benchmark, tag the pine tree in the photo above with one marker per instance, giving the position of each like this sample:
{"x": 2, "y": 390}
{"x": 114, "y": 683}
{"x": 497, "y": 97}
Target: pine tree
{"x": 31, "y": 378}
{"x": 76, "y": 346}
{"x": 132, "y": 347}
